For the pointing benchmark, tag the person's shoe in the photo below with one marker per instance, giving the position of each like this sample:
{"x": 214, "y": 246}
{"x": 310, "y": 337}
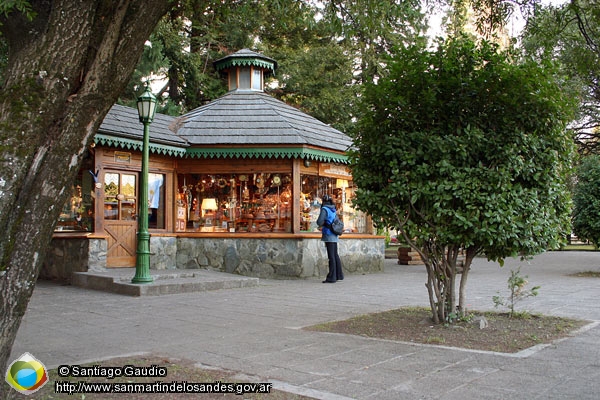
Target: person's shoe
{"x": 326, "y": 281}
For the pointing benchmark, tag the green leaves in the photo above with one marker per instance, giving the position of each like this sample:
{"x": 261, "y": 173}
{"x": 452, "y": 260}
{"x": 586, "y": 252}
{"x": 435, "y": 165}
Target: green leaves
{"x": 586, "y": 198}
{"x": 568, "y": 34}
{"x": 473, "y": 143}
{"x": 21, "y": 6}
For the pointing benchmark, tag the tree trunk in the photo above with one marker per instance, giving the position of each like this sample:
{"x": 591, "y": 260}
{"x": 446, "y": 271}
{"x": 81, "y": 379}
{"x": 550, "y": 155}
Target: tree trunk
{"x": 439, "y": 283}
{"x": 471, "y": 252}
{"x": 451, "y": 257}
{"x": 441, "y": 265}
{"x": 433, "y": 291}
{"x": 66, "y": 68}
{"x": 432, "y": 284}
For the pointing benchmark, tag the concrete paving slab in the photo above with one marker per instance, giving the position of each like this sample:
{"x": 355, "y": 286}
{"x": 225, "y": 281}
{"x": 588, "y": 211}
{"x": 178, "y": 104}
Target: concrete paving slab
{"x": 165, "y": 282}
{"x": 256, "y": 331}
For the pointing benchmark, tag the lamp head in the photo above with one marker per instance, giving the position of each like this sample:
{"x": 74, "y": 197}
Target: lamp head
{"x": 146, "y": 105}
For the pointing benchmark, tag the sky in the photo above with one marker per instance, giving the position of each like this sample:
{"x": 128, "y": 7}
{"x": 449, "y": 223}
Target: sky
{"x": 514, "y": 27}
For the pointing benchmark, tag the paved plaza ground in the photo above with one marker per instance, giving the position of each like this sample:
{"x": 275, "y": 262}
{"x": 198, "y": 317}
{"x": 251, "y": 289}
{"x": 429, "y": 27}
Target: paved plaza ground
{"x": 257, "y": 332}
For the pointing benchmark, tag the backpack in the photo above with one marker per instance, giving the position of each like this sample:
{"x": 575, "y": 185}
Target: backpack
{"x": 336, "y": 226}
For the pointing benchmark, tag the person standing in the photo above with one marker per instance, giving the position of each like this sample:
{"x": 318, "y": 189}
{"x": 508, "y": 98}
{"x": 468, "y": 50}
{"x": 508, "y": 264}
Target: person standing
{"x": 326, "y": 217}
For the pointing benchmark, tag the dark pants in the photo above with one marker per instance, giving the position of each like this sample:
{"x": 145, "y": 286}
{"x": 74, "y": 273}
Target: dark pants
{"x": 335, "y": 264}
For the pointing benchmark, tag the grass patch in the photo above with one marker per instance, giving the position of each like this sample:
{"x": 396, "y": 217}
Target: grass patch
{"x": 579, "y": 247}
{"x": 177, "y": 371}
{"x": 414, "y": 324}
{"x": 587, "y": 274}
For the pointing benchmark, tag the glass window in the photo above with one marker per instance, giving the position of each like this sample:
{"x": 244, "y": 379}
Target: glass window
{"x": 258, "y": 202}
{"x": 111, "y": 190}
{"x": 78, "y": 212}
{"x": 261, "y": 202}
{"x": 312, "y": 189}
{"x": 156, "y": 201}
{"x": 354, "y": 220}
{"x": 256, "y": 79}
{"x": 244, "y": 78}
{"x": 120, "y": 196}
{"x": 127, "y": 197}
{"x": 232, "y": 80}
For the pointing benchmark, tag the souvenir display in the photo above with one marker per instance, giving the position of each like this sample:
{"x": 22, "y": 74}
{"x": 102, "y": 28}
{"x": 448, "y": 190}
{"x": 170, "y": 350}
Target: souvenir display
{"x": 257, "y": 202}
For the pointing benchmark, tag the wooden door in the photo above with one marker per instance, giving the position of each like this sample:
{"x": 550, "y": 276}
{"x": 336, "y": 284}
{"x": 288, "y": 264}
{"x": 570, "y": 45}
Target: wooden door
{"x": 120, "y": 217}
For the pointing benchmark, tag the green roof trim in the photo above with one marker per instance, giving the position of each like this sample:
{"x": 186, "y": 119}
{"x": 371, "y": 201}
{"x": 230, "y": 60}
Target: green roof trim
{"x": 267, "y": 152}
{"x": 222, "y": 152}
{"x": 245, "y": 61}
{"x": 133, "y": 144}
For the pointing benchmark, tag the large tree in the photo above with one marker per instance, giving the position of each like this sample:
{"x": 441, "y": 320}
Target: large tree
{"x": 570, "y": 33}
{"x": 324, "y": 50}
{"x": 184, "y": 45}
{"x": 464, "y": 150}
{"x": 586, "y": 200}
{"x": 68, "y": 62}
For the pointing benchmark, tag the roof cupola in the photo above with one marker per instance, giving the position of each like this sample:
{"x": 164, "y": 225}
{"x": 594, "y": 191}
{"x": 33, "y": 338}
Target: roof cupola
{"x": 246, "y": 69}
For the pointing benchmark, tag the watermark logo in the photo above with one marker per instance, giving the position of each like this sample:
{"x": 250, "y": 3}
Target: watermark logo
{"x": 26, "y": 374}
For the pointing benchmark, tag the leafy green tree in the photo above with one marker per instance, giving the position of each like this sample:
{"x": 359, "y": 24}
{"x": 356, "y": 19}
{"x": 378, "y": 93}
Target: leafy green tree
{"x": 210, "y": 30}
{"x": 342, "y": 45}
{"x": 194, "y": 34}
{"x": 372, "y": 29}
{"x": 570, "y": 34}
{"x": 315, "y": 70}
{"x": 586, "y": 200}
{"x": 152, "y": 61}
{"x": 180, "y": 52}
{"x": 318, "y": 80}
{"x": 465, "y": 152}
{"x": 324, "y": 53}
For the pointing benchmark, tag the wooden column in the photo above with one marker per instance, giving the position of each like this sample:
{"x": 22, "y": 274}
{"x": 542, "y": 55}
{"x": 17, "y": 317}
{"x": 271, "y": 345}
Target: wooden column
{"x": 296, "y": 196}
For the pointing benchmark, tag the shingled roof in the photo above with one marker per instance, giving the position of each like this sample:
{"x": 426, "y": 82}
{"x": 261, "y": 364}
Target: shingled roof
{"x": 122, "y": 128}
{"x": 255, "y": 118}
{"x": 242, "y": 123}
{"x": 124, "y": 121}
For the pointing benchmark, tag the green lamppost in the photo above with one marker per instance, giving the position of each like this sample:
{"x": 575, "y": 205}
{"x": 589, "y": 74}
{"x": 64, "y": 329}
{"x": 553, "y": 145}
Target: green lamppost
{"x": 146, "y": 104}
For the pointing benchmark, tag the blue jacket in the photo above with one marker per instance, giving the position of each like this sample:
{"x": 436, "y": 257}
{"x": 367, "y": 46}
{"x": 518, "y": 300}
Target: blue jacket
{"x": 327, "y": 216}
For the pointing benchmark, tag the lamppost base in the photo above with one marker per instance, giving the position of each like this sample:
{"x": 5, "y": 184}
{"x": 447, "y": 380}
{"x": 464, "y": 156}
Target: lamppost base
{"x": 142, "y": 272}
{"x": 142, "y": 279}
{"x": 142, "y": 263}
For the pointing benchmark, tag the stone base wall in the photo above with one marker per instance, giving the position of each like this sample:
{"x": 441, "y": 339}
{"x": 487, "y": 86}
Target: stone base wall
{"x": 68, "y": 255}
{"x": 256, "y": 257}
{"x": 265, "y": 258}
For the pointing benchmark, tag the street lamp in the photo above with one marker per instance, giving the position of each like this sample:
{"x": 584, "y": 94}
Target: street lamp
{"x": 146, "y": 104}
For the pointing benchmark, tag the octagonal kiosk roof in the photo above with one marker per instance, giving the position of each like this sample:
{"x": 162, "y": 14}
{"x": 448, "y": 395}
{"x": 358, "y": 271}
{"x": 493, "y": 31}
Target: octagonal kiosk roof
{"x": 247, "y": 122}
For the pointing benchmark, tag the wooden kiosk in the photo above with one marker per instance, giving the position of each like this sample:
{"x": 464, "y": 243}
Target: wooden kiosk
{"x": 234, "y": 185}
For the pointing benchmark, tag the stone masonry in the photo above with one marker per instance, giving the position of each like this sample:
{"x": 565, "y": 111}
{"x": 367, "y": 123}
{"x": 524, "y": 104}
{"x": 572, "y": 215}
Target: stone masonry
{"x": 255, "y": 257}
{"x": 68, "y": 255}
{"x": 265, "y": 258}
